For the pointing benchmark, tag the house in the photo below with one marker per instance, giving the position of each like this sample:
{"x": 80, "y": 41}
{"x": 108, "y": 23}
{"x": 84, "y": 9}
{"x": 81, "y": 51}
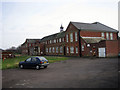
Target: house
{"x": 79, "y": 39}
{"x": 31, "y": 47}
{"x": 84, "y": 39}
{"x": 54, "y": 44}
{"x": 7, "y": 54}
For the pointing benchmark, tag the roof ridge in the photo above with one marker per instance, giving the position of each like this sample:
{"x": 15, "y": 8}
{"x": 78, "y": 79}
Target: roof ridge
{"x": 80, "y": 22}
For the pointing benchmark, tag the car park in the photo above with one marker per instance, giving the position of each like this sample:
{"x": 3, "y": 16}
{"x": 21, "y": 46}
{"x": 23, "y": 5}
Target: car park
{"x": 34, "y": 62}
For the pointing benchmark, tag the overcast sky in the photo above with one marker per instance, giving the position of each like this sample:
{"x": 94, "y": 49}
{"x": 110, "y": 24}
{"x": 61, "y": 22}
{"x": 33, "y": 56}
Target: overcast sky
{"x": 23, "y": 19}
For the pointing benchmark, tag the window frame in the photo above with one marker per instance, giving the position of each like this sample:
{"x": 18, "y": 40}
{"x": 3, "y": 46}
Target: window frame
{"x": 111, "y": 36}
{"x": 107, "y": 36}
{"x": 72, "y": 49}
{"x": 76, "y": 36}
{"x": 76, "y": 49}
{"x": 66, "y": 37}
{"x": 71, "y": 37}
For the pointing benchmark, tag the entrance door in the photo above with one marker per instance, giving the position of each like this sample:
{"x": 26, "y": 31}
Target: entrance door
{"x": 101, "y": 52}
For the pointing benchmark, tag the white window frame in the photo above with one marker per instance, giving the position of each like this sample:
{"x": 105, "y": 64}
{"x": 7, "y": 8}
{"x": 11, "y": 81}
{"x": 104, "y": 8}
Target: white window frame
{"x": 111, "y": 36}
{"x": 63, "y": 39}
{"x": 39, "y": 49}
{"x": 61, "y": 49}
{"x": 82, "y": 47}
{"x": 76, "y": 49}
{"x": 56, "y": 49}
{"x": 47, "y": 50}
{"x": 107, "y": 36}
{"x": 76, "y": 38}
{"x": 59, "y": 39}
{"x": 71, "y": 49}
{"x": 50, "y": 50}
{"x": 50, "y": 41}
{"x": 102, "y": 34}
{"x": 67, "y": 38}
{"x": 54, "y": 40}
{"x": 53, "y": 50}
{"x": 71, "y": 37}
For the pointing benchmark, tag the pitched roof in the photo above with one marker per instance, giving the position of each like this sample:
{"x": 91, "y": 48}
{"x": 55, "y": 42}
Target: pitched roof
{"x": 92, "y": 40}
{"x": 33, "y": 40}
{"x": 53, "y": 36}
{"x": 96, "y": 26}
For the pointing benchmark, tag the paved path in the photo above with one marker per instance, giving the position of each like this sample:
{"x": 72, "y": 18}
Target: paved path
{"x": 74, "y": 73}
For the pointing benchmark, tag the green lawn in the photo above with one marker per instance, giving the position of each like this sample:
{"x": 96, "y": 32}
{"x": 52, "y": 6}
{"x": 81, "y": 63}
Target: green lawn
{"x": 13, "y": 62}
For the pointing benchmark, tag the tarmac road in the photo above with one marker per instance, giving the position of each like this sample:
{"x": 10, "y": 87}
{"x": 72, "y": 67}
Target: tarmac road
{"x": 74, "y": 73}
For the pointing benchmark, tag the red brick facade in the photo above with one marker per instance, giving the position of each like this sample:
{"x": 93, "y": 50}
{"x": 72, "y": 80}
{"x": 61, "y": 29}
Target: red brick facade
{"x": 76, "y": 41}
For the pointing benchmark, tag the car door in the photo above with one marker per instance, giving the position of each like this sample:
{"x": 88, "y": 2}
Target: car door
{"x": 33, "y": 62}
{"x": 28, "y": 62}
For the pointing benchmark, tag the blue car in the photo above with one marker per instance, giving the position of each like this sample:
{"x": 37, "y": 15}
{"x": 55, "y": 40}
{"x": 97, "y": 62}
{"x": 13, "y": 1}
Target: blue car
{"x": 34, "y": 62}
{"x": 119, "y": 55}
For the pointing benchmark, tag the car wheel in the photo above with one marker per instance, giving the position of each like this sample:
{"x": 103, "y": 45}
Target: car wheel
{"x": 37, "y": 67}
{"x": 21, "y": 66}
{"x": 45, "y": 66}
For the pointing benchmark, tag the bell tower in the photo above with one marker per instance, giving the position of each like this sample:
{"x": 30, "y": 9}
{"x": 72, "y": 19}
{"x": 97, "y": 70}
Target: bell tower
{"x": 61, "y": 28}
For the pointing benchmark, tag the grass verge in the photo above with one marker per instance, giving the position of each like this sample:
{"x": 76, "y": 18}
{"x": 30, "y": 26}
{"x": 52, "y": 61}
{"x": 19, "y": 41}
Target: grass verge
{"x": 13, "y": 62}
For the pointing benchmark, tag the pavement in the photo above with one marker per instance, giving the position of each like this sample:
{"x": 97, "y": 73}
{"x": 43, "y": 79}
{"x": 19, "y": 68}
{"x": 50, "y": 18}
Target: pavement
{"x": 73, "y": 73}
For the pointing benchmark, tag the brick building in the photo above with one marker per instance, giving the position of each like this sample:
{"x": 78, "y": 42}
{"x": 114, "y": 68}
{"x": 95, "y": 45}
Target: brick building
{"x": 79, "y": 39}
{"x": 31, "y": 47}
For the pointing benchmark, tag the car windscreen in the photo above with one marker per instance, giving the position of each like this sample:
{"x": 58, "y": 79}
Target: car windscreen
{"x": 42, "y": 58}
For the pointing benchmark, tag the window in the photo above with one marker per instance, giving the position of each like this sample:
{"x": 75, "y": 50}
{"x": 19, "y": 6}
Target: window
{"x": 61, "y": 49}
{"x": 71, "y": 37}
{"x": 29, "y": 45}
{"x": 76, "y": 49}
{"x": 56, "y": 49}
{"x": 54, "y": 40}
{"x": 102, "y": 34}
{"x": 50, "y": 41}
{"x": 28, "y": 60}
{"x": 46, "y": 49}
{"x": 53, "y": 49}
{"x": 111, "y": 36}
{"x": 107, "y": 36}
{"x": 34, "y": 59}
{"x": 67, "y": 50}
{"x": 39, "y": 49}
{"x": 26, "y": 45}
{"x": 71, "y": 49}
{"x": 50, "y": 50}
{"x": 75, "y": 36}
{"x": 59, "y": 39}
{"x": 67, "y": 38}
{"x": 82, "y": 47}
{"x": 63, "y": 39}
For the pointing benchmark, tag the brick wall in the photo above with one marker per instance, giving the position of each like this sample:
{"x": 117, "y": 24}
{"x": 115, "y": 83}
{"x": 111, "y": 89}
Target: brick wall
{"x": 96, "y": 34}
{"x": 119, "y": 45}
{"x": 72, "y": 29}
{"x": 54, "y": 45}
{"x": 112, "y": 48}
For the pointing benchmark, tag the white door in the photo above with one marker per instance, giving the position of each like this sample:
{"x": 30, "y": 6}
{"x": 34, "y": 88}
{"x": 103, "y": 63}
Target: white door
{"x": 101, "y": 52}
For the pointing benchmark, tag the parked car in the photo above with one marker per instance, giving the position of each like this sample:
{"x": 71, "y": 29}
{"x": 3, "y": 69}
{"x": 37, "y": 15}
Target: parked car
{"x": 119, "y": 55}
{"x": 34, "y": 62}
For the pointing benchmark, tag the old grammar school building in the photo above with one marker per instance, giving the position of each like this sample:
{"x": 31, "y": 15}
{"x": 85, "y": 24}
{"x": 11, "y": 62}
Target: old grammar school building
{"x": 79, "y": 39}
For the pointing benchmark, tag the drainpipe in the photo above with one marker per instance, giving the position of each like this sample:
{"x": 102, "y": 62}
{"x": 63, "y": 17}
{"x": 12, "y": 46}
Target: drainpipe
{"x": 80, "y": 53}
